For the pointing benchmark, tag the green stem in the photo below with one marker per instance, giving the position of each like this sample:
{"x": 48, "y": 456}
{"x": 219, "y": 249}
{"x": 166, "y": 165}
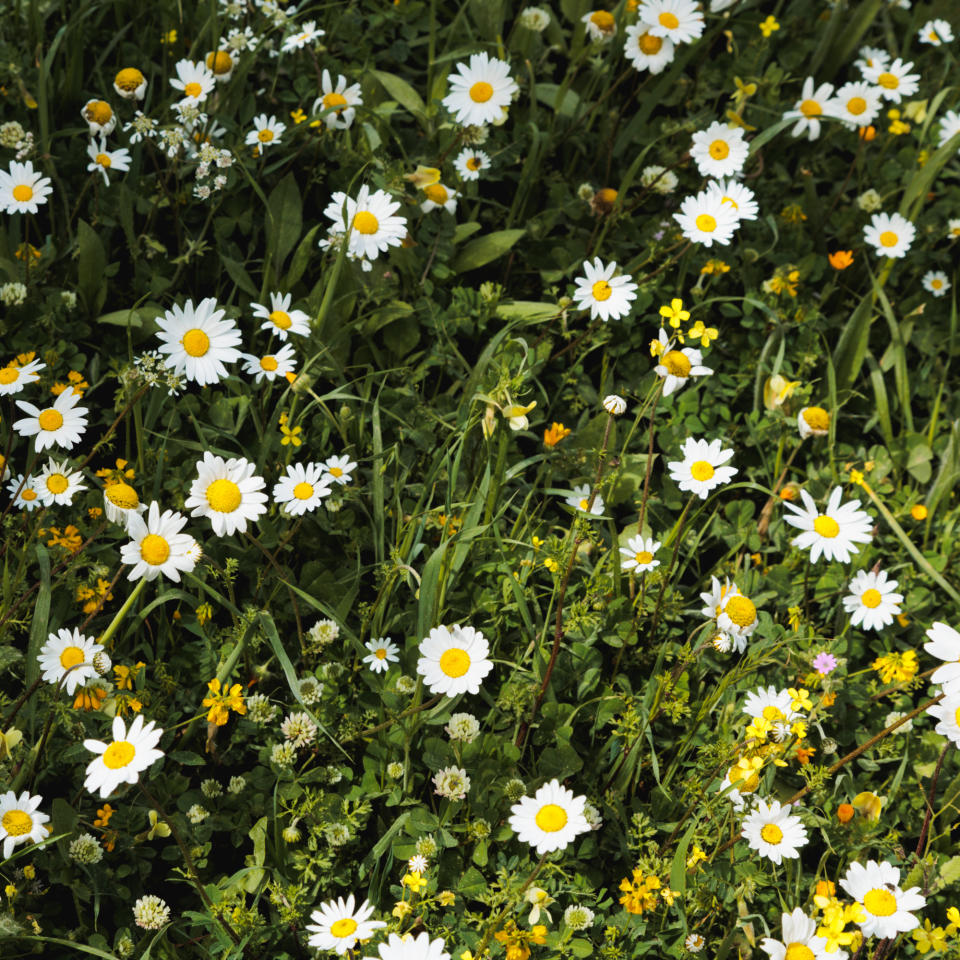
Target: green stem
{"x": 107, "y": 634}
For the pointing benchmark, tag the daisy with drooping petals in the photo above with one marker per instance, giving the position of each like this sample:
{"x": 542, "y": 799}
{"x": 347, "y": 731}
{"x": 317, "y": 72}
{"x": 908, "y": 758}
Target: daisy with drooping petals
{"x": 602, "y": 293}
{"x": 871, "y": 57}
{"x": 738, "y": 619}
{"x": 369, "y": 221}
{"x": 645, "y": 50}
{"x": 579, "y": 499}
{"x": 800, "y": 940}
{"x": 601, "y": 25}
{"x": 717, "y": 596}
{"x": 20, "y": 821}
{"x": 272, "y": 365}
{"x": 773, "y": 832}
{"x": 227, "y": 493}
{"x": 338, "y": 469}
{"x": 945, "y": 645}
{"x": 470, "y": 162}
{"x": 130, "y": 84}
{"x": 198, "y": 341}
{"x": 22, "y": 189}
{"x": 639, "y": 553}
{"x": 677, "y": 367}
{"x": 812, "y": 105}
{"x": 947, "y": 711}
{"x": 124, "y": 758}
{"x": 307, "y": 34}
{"x": 103, "y": 160}
{"x": 889, "y": 234}
{"x": 14, "y": 377}
{"x": 99, "y": 116}
{"x": 57, "y": 483}
{"x": 420, "y": 947}
{"x": 382, "y": 654}
{"x": 439, "y": 197}
{"x": 833, "y": 533}
{"x": 303, "y": 488}
{"x": 266, "y": 132}
{"x": 876, "y": 887}
{"x": 194, "y": 80}
{"x": 894, "y": 82}
{"x": 61, "y": 425}
{"x": 340, "y": 102}
{"x": 935, "y": 281}
{"x": 480, "y": 91}
{"x": 338, "y": 925}
{"x": 705, "y": 218}
{"x": 549, "y": 820}
{"x": 949, "y": 127}
{"x": 720, "y": 150}
{"x": 67, "y": 658}
{"x": 157, "y": 545}
{"x": 738, "y": 196}
{"x": 813, "y": 422}
{"x": 221, "y": 64}
{"x": 454, "y": 660}
{"x": 24, "y": 493}
{"x": 872, "y": 601}
{"x": 856, "y": 104}
{"x": 680, "y": 21}
{"x": 935, "y": 32}
{"x": 279, "y": 318}
{"x": 701, "y": 469}
{"x": 120, "y": 501}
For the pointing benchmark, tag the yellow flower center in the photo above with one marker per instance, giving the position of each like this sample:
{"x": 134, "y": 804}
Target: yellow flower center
{"x": 436, "y": 192}
{"x": 871, "y": 598}
{"x": 826, "y": 526}
{"x": 881, "y": 903}
{"x": 154, "y": 549}
{"x": 771, "y": 833}
{"x": 481, "y": 92}
{"x": 888, "y": 239}
{"x": 741, "y": 611}
{"x": 122, "y": 495}
{"x": 269, "y": 363}
{"x": 220, "y": 62}
{"x": 280, "y": 319}
{"x": 817, "y": 418}
{"x": 743, "y": 784}
{"x": 584, "y": 503}
{"x": 705, "y": 223}
{"x": 888, "y": 81}
{"x": 17, "y": 823}
{"x": 644, "y": 556}
{"x": 98, "y": 112}
{"x": 104, "y": 160}
{"x": 771, "y": 712}
{"x": 303, "y": 490}
{"x": 649, "y": 44}
{"x": 473, "y": 163}
{"x": 22, "y": 193}
{"x": 603, "y": 20}
{"x": 798, "y": 951}
{"x": 224, "y": 496}
{"x": 550, "y": 818}
{"x": 956, "y": 716}
{"x": 334, "y": 100}
{"x": 193, "y": 89}
{"x": 343, "y": 927}
{"x": 669, "y": 20}
{"x": 810, "y": 108}
{"x": 601, "y": 290}
{"x": 856, "y": 105}
{"x": 28, "y": 494}
{"x": 70, "y": 657}
{"x": 365, "y": 222}
{"x": 380, "y": 654}
{"x": 455, "y": 662}
{"x": 50, "y": 419}
{"x": 335, "y": 472}
{"x": 701, "y": 470}
{"x": 129, "y": 79}
{"x": 936, "y": 283}
{"x": 676, "y": 363}
{"x": 57, "y": 483}
{"x": 195, "y": 342}
{"x": 118, "y": 754}
{"x": 719, "y": 149}
{"x": 265, "y": 136}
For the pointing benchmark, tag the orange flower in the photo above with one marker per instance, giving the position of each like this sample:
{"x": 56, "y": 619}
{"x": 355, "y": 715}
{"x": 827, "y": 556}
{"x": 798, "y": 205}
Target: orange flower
{"x": 554, "y": 434}
{"x": 845, "y": 813}
{"x": 840, "y": 259}
{"x": 867, "y": 133}
{"x": 788, "y": 493}
{"x": 829, "y": 699}
{"x": 805, "y": 753}
{"x": 103, "y": 815}
{"x": 918, "y": 511}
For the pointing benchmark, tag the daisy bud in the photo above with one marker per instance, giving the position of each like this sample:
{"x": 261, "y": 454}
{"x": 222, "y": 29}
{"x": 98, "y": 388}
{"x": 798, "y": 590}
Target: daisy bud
{"x": 102, "y": 663}
{"x": 614, "y": 405}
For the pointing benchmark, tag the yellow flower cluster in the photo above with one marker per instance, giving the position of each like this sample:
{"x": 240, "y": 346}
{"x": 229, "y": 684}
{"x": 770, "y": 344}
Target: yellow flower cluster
{"x": 222, "y": 700}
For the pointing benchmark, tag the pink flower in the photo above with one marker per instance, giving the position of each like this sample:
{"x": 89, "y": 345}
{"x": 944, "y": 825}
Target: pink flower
{"x": 824, "y": 663}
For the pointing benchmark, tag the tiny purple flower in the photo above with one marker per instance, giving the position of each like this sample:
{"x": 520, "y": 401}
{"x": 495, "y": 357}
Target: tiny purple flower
{"x": 824, "y": 663}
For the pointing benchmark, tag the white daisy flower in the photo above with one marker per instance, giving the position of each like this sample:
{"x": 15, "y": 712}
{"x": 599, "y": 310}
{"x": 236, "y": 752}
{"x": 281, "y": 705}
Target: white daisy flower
{"x": 936, "y": 281}
{"x": 770, "y": 703}
{"x": 894, "y": 81}
{"x": 833, "y": 533}
{"x": 303, "y": 488}
{"x": 680, "y": 21}
{"x": 307, "y": 33}
{"x": 470, "y": 162}
{"x": 857, "y": 104}
{"x": 549, "y": 820}
{"x": 812, "y": 105}
{"x": 67, "y": 658}
{"x": 579, "y": 499}
{"x": 945, "y": 645}
{"x": 198, "y": 341}
{"x": 27, "y": 498}
{"x": 738, "y": 196}
{"x": 420, "y": 947}
{"x": 481, "y": 91}
{"x": 339, "y": 469}
{"x": 221, "y": 64}
{"x": 739, "y": 791}
{"x": 677, "y": 367}
{"x": 100, "y": 117}
{"x": 22, "y": 189}
{"x": 340, "y": 102}
{"x": 120, "y": 502}
{"x": 272, "y": 365}
{"x": 266, "y": 132}
{"x": 645, "y": 50}
{"x": 614, "y": 405}
{"x": 705, "y": 218}
{"x": 813, "y": 422}
{"x": 872, "y": 57}
{"x": 382, "y": 654}
{"x": 339, "y": 924}
{"x": 14, "y": 377}
{"x": 454, "y": 660}
{"x": 949, "y": 127}
{"x": 61, "y": 425}
{"x": 889, "y": 234}
{"x": 226, "y": 492}
{"x": 872, "y": 601}
{"x": 194, "y": 80}
{"x": 605, "y": 295}
{"x": 157, "y": 545}
{"x": 935, "y": 32}
{"x": 738, "y": 619}
{"x": 438, "y": 196}
{"x": 20, "y": 820}
{"x": 953, "y": 229}
{"x": 102, "y": 159}
{"x": 122, "y": 760}
{"x": 639, "y": 554}
{"x": 720, "y": 150}
{"x": 773, "y": 832}
{"x": 130, "y": 83}
{"x": 701, "y": 469}
{"x": 279, "y": 318}
{"x": 659, "y": 179}
{"x": 57, "y": 483}
{"x": 876, "y": 887}
{"x": 717, "y": 596}
{"x": 947, "y": 711}
{"x": 601, "y": 25}
{"x": 418, "y": 863}
{"x": 369, "y": 220}
{"x": 800, "y": 940}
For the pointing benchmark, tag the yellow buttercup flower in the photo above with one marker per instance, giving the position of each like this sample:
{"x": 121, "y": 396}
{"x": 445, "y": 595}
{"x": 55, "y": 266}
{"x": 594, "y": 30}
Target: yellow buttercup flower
{"x": 221, "y": 702}
{"x": 768, "y": 26}
{"x": 704, "y": 334}
{"x": 674, "y": 314}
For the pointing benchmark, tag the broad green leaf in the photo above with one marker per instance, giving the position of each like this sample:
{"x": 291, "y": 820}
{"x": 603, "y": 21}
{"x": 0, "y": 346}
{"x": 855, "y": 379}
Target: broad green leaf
{"x": 484, "y": 249}
{"x": 92, "y": 262}
{"x": 403, "y": 93}
{"x": 284, "y": 220}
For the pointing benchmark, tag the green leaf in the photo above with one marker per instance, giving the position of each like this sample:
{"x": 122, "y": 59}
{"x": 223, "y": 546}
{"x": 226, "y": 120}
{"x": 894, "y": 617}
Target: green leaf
{"x": 258, "y": 834}
{"x": 549, "y": 94}
{"x": 284, "y": 220}
{"x": 403, "y": 93}
{"x": 527, "y": 310}
{"x": 300, "y": 259}
{"x": 92, "y": 262}
{"x": 239, "y": 275}
{"x": 485, "y": 249}
{"x": 851, "y": 348}
{"x": 463, "y": 230}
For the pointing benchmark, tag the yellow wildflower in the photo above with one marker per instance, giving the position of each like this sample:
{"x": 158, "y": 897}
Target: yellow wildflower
{"x": 896, "y": 667}
{"x": 674, "y": 314}
{"x": 768, "y": 26}
{"x": 222, "y": 702}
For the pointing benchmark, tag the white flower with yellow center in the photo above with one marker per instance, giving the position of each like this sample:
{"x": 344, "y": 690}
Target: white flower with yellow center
{"x": 221, "y": 64}
{"x": 303, "y": 488}
{"x": 705, "y": 218}
{"x": 61, "y": 425}
{"x": 894, "y": 82}
{"x": 409, "y": 947}
{"x": 738, "y": 196}
{"x": 810, "y": 108}
{"x": 876, "y": 886}
{"x": 369, "y": 221}
{"x": 949, "y": 127}
{"x": 271, "y": 365}
{"x": 103, "y": 160}
{"x": 266, "y": 132}
{"x": 833, "y": 533}
{"x": 549, "y": 820}
{"x": 130, "y": 83}
{"x": 194, "y": 80}
{"x": 338, "y": 103}
{"x": 813, "y": 422}
{"x": 680, "y": 21}
{"x": 439, "y": 197}
{"x": 945, "y": 645}
{"x": 800, "y": 940}
{"x": 701, "y": 469}
{"x": 198, "y": 341}
{"x": 935, "y": 32}
{"x": 22, "y": 189}
{"x": 645, "y": 50}
{"x": 157, "y": 545}
{"x": 339, "y": 924}
{"x": 124, "y": 758}
{"x": 382, "y": 654}
{"x": 24, "y": 492}
{"x": 720, "y": 150}
{"x": 120, "y": 502}
{"x": 872, "y": 601}
{"x": 601, "y": 25}
{"x": 339, "y": 469}
{"x": 771, "y": 704}
{"x": 470, "y": 162}
{"x": 856, "y": 104}
{"x": 739, "y": 784}
{"x": 227, "y": 493}
{"x": 308, "y": 33}
{"x": 717, "y": 596}
{"x": 20, "y": 821}
{"x": 603, "y": 294}
{"x": 480, "y": 91}
{"x": 889, "y": 234}
{"x": 99, "y": 116}
{"x": 678, "y": 366}
{"x": 454, "y": 660}
{"x": 738, "y": 619}
{"x": 773, "y": 832}
{"x": 67, "y": 658}
{"x": 14, "y": 377}
{"x": 638, "y": 554}
{"x": 947, "y": 711}
{"x": 871, "y": 57}
{"x": 936, "y": 281}
{"x": 57, "y": 483}
{"x": 279, "y": 318}
{"x": 579, "y": 499}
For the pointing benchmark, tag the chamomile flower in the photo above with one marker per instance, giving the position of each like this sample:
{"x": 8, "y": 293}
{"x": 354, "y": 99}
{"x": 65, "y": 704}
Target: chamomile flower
{"x": 680, "y": 21}
{"x": 935, "y": 32}
{"x": 579, "y": 499}
{"x": 872, "y": 601}
{"x": 935, "y": 281}
{"x": 67, "y": 658}
{"x": 103, "y": 160}
{"x": 738, "y": 196}
{"x": 194, "y": 80}
{"x": 800, "y": 939}
{"x": 221, "y": 64}
{"x": 720, "y": 150}
{"x": 420, "y": 947}
{"x": 949, "y": 127}
{"x": 339, "y": 469}
{"x": 871, "y": 57}
{"x": 198, "y": 341}
{"x": 645, "y": 50}
{"x": 100, "y": 117}
{"x": 266, "y": 132}
{"x": 947, "y": 711}
{"x": 770, "y": 703}
{"x": 339, "y": 924}
{"x": 876, "y": 887}
{"x": 382, "y": 654}
{"x": 20, "y": 821}
{"x": 272, "y": 365}
{"x": 549, "y": 820}
{"x": 22, "y": 189}
{"x": 705, "y": 218}
{"x": 122, "y": 760}
{"x": 833, "y": 533}
{"x": 480, "y": 91}
{"x": 738, "y": 619}
{"x": 439, "y": 197}
{"x": 773, "y": 832}
{"x": 889, "y": 234}
{"x": 227, "y": 493}
{"x": 813, "y": 104}
{"x": 369, "y": 220}
{"x": 678, "y": 366}
{"x": 308, "y": 33}
{"x": 601, "y": 25}
{"x": 120, "y": 501}
{"x": 57, "y": 483}
{"x": 14, "y": 377}
{"x": 701, "y": 469}
{"x": 638, "y": 554}
{"x": 61, "y": 425}
{"x": 279, "y": 318}
{"x": 302, "y": 489}
{"x": 813, "y": 422}
{"x": 894, "y": 82}
{"x": 340, "y": 102}
{"x": 738, "y": 785}
{"x": 717, "y": 596}
{"x": 24, "y": 493}
{"x": 157, "y": 546}
{"x": 470, "y": 162}
{"x": 130, "y": 83}
{"x": 856, "y": 104}
{"x": 945, "y": 645}
{"x": 453, "y": 660}
{"x": 605, "y": 295}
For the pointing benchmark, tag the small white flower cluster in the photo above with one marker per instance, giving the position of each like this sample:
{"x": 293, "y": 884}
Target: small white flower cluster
{"x": 150, "y": 369}
{"x": 150, "y": 912}
{"x": 211, "y": 156}
{"x": 13, "y": 294}
{"x": 452, "y": 783}
{"x": 14, "y": 137}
